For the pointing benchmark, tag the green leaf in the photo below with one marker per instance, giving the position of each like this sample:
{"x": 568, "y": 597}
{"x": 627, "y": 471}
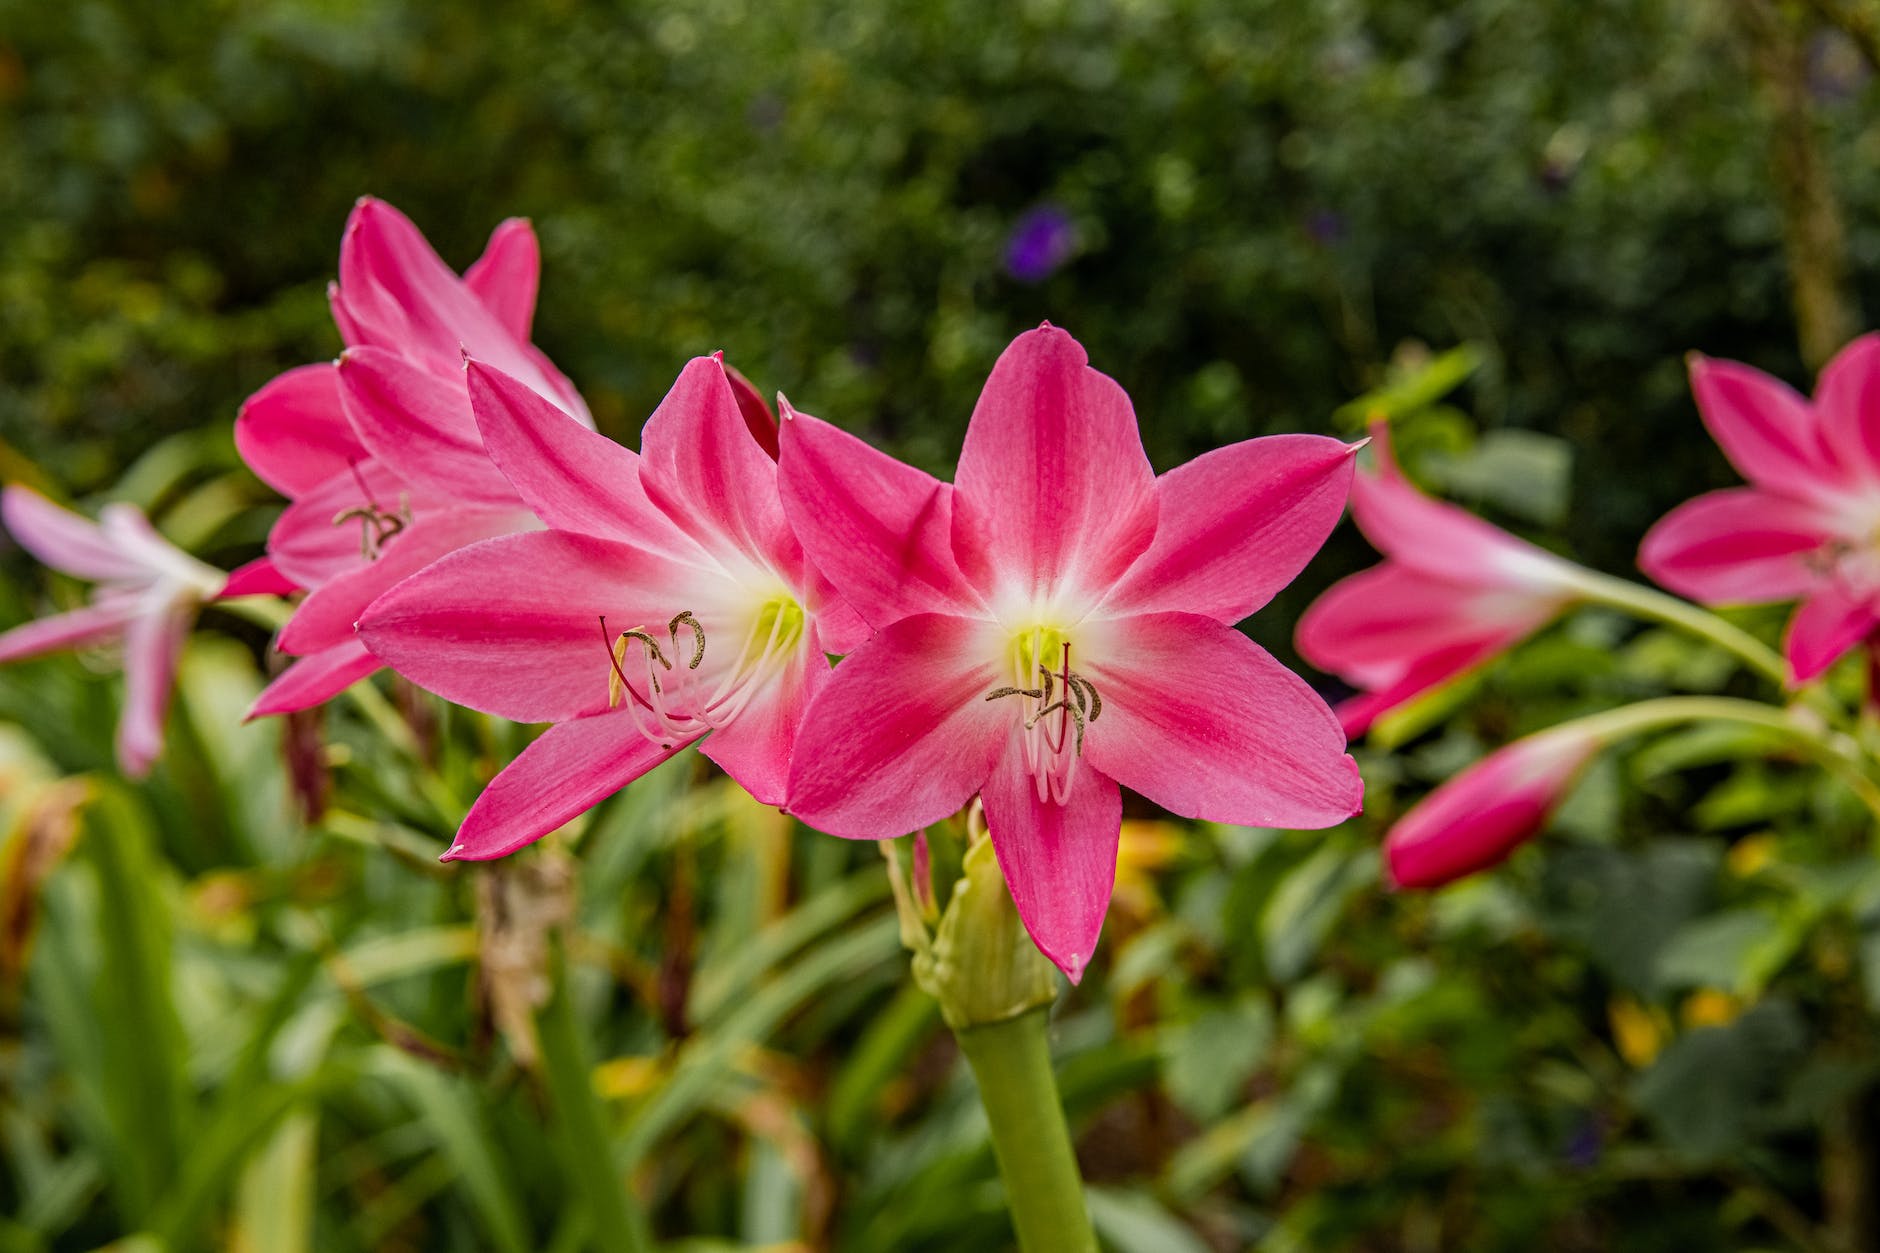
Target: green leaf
{"x": 1307, "y": 904}
{"x": 1134, "y": 1222}
{"x": 1709, "y": 1092}
{"x": 1525, "y": 473}
{"x": 1208, "y": 1060}
{"x": 1412, "y": 390}
{"x": 1738, "y": 951}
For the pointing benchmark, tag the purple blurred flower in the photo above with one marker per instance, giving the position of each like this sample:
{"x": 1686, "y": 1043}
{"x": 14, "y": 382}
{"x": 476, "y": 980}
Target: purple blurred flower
{"x": 1042, "y": 241}
{"x": 1325, "y": 228}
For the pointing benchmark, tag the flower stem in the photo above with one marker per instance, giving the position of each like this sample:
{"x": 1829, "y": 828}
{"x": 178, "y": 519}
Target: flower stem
{"x": 1043, "y": 1189}
{"x": 1833, "y": 750}
{"x": 1645, "y": 602}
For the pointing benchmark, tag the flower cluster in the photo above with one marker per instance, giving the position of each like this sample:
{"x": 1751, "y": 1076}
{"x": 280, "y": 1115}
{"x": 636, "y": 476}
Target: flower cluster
{"x": 1456, "y": 592}
{"x": 1055, "y": 624}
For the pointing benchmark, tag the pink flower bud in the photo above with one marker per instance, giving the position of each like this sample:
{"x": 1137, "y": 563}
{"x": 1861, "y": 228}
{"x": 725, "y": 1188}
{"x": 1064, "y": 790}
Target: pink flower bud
{"x": 1480, "y": 816}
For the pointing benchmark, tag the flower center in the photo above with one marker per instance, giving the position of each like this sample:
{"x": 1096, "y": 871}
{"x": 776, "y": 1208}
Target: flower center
{"x": 376, "y": 525}
{"x": 671, "y": 695}
{"x": 1056, "y": 704}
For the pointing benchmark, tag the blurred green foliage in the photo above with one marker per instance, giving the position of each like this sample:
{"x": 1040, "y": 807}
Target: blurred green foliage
{"x": 227, "y": 1028}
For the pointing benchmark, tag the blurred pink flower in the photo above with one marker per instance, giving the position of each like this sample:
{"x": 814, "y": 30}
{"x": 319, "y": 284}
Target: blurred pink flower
{"x": 1808, "y": 526}
{"x": 1477, "y": 818}
{"x": 379, "y": 451}
{"x": 1453, "y": 593}
{"x": 1057, "y": 622}
{"x": 147, "y": 595}
{"x": 668, "y": 603}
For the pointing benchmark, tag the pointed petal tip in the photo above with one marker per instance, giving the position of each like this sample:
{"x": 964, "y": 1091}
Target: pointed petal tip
{"x": 454, "y": 853}
{"x": 1073, "y": 967}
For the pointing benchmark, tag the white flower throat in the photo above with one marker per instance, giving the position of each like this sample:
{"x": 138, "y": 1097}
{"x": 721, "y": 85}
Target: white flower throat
{"x": 665, "y": 685}
{"x": 1056, "y": 706}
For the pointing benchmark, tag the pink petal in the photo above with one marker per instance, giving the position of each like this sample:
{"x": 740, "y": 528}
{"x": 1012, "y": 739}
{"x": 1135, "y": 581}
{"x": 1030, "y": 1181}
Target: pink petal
{"x": 400, "y": 295}
{"x": 1053, "y": 488}
{"x": 75, "y": 629}
{"x": 570, "y": 769}
{"x": 314, "y": 679}
{"x": 64, "y": 540}
{"x": 1739, "y": 546}
{"x": 699, "y": 463}
{"x": 1443, "y": 540}
{"x": 325, "y": 619}
{"x": 1765, "y": 428}
{"x": 418, "y": 424}
{"x": 293, "y": 433}
{"x": 512, "y": 626}
{"x": 1237, "y": 525}
{"x": 1480, "y": 816}
{"x": 310, "y": 543}
{"x": 153, "y": 642}
{"x": 839, "y": 629}
{"x": 1059, "y": 860}
{"x": 573, "y": 478}
{"x": 1370, "y": 627}
{"x": 1424, "y": 674}
{"x": 903, "y": 735}
{"x": 1205, "y": 723}
{"x": 758, "y": 418}
{"x": 880, "y": 530}
{"x": 756, "y": 747}
{"x": 257, "y": 578}
{"x": 506, "y": 276}
{"x": 1824, "y": 627}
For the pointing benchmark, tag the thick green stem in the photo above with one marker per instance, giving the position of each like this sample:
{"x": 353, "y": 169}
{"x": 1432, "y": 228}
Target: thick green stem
{"x": 1043, "y": 1189}
{"x": 618, "y": 1226}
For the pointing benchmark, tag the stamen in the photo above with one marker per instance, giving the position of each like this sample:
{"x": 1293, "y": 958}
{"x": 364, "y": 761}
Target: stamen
{"x": 1050, "y": 757}
{"x": 376, "y": 524}
{"x": 698, "y": 634}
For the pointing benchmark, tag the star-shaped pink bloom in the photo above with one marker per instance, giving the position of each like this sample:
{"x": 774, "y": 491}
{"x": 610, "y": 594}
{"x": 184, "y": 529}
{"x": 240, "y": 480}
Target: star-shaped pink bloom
{"x": 379, "y": 452}
{"x": 669, "y": 603}
{"x": 1454, "y": 592}
{"x": 1056, "y": 622}
{"x": 147, "y": 595}
{"x": 1808, "y": 526}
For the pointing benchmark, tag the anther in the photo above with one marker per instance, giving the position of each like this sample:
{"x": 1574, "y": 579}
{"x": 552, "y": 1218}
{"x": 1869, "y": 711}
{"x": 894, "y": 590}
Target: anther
{"x": 698, "y": 637}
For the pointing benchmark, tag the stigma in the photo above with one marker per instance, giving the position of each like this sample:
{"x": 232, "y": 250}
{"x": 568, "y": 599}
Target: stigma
{"x": 1056, "y": 705}
{"x": 662, "y": 680}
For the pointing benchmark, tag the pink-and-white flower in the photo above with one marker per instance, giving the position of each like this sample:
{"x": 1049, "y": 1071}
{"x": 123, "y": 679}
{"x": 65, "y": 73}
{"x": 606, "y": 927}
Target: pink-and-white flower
{"x": 379, "y": 451}
{"x": 146, "y": 598}
{"x": 1453, "y": 592}
{"x": 667, "y": 604}
{"x": 1058, "y": 622}
{"x": 1476, "y": 819}
{"x": 1807, "y": 527}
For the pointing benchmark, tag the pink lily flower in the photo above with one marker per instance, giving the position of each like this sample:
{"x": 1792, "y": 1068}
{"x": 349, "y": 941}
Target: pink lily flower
{"x": 1476, "y": 819}
{"x": 1058, "y": 622}
{"x": 379, "y": 451}
{"x": 147, "y": 596}
{"x": 1453, "y": 593}
{"x": 668, "y": 604}
{"x": 1805, "y": 527}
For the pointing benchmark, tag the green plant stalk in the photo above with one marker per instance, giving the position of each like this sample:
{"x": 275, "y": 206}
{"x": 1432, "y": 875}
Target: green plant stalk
{"x": 1043, "y": 1189}
{"x": 1645, "y": 602}
{"x": 618, "y": 1226}
{"x": 1833, "y": 750}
